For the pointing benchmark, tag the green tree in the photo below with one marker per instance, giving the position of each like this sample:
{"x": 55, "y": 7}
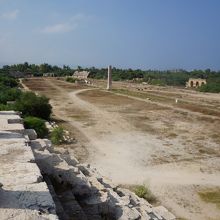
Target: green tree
{"x": 32, "y": 105}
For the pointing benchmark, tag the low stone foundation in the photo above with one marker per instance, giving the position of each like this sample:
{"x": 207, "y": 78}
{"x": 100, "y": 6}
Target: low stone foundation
{"x": 23, "y": 192}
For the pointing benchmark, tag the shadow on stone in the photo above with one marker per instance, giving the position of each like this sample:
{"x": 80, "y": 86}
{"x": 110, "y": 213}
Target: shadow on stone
{"x": 33, "y": 200}
{"x": 10, "y": 135}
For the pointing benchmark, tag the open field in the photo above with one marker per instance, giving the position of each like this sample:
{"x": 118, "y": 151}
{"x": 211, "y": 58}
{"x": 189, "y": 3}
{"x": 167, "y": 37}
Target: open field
{"x": 138, "y": 134}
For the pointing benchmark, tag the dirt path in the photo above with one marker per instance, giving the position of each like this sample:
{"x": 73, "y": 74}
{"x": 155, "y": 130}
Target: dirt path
{"x": 118, "y": 144}
{"x": 129, "y": 141}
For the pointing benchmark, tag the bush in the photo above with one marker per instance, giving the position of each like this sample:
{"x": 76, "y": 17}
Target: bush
{"x": 9, "y": 94}
{"x": 70, "y": 79}
{"x": 8, "y": 81}
{"x": 143, "y": 192}
{"x": 158, "y": 82}
{"x": 37, "y": 124}
{"x": 57, "y": 135}
{"x": 8, "y": 107}
{"x": 210, "y": 87}
{"x": 32, "y": 105}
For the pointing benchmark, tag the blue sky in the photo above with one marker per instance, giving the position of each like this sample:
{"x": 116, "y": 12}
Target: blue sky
{"x": 146, "y": 34}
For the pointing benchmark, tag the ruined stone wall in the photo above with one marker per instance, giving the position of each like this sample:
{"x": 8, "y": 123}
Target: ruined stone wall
{"x": 86, "y": 195}
{"x": 23, "y": 192}
{"x": 194, "y": 83}
{"x": 61, "y": 187}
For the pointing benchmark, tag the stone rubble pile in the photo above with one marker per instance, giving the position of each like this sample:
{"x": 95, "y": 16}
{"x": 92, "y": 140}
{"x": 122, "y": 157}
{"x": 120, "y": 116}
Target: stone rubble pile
{"x": 86, "y": 194}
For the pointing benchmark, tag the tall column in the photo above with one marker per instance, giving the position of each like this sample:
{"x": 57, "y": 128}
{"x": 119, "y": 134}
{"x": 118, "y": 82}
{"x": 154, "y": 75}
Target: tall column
{"x": 109, "y": 84}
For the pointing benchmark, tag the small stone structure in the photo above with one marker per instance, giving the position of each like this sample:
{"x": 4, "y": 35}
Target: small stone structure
{"x": 49, "y": 74}
{"x": 81, "y": 74}
{"x": 17, "y": 74}
{"x": 109, "y": 83}
{"x": 195, "y": 83}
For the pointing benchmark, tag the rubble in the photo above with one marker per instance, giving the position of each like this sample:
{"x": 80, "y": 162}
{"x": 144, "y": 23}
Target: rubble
{"x": 92, "y": 194}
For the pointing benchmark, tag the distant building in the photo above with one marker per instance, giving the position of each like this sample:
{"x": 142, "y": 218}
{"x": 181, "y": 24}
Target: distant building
{"x": 49, "y": 74}
{"x": 195, "y": 83}
{"x": 81, "y": 74}
{"x": 17, "y": 74}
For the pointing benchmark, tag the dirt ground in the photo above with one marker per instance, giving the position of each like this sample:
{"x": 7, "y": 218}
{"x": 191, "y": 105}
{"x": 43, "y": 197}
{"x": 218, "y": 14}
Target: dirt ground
{"x": 140, "y": 134}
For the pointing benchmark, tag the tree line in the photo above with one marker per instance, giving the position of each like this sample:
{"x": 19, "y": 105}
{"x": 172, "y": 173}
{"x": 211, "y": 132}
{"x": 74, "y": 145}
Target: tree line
{"x": 154, "y": 77}
{"x": 37, "y": 70}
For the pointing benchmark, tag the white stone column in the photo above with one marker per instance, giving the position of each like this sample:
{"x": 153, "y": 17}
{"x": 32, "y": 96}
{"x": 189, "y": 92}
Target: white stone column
{"x": 109, "y": 84}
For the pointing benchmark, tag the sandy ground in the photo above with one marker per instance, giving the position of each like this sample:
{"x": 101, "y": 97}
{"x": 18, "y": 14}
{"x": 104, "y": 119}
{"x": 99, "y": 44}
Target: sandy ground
{"x": 144, "y": 137}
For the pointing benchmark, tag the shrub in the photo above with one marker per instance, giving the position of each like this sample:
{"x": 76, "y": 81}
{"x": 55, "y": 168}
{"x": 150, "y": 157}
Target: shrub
{"x": 37, "y": 124}
{"x": 210, "y": 87}
{"x": 32, "y": 105}
{"x": 9, "y": 94}
{"x": 143, "y": 192}
{"x": 158, "y": 82}
{"x": 8, "y": 81}
{"x": 70, "y": 79}
{"x": 57, "y": 135}
{"x": 8, "y": 107}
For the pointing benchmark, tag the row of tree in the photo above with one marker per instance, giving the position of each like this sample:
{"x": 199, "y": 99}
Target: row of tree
{"x": 155, "y": 77}
{"x": 38, "y": 70}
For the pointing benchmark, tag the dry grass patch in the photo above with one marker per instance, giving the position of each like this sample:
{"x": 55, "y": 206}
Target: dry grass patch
{"x": 211, "y": 196}
{"x": 199, "y": 108}
{"x": 143, "y": 95}
{"x": 167, "y": 100}
{"x": 104, "y": 98}
{"x": 207, "y": 119}
{"x": 206, "y": 150}
{"x": 141, "y": 125}
{"x": 216, "y": 138}
{"x": 171, "y": 135}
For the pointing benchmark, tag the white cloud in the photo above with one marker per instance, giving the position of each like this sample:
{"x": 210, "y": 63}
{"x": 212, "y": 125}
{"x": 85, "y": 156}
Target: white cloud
{"x": 78, "y": 18}
{"x": 58, "y": 28}
{"x": 12, "y": 15}
{"x": 71, "y": 25}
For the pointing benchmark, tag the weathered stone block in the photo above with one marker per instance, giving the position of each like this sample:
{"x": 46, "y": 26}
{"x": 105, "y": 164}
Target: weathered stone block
{"x": 32, "y": 135}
